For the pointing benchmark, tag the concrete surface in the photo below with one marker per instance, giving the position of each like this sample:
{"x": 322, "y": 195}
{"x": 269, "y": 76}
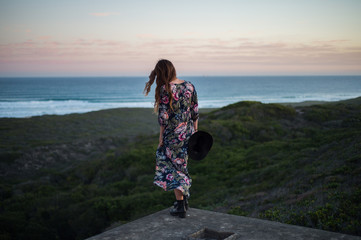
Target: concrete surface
{"x": 201, "y": 224}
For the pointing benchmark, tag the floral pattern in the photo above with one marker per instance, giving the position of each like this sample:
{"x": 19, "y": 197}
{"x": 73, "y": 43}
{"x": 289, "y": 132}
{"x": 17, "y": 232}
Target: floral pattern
{"x": 172, "y": 158}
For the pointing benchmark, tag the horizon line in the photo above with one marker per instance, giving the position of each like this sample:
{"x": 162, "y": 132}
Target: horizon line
{"x": 130, "y": 76}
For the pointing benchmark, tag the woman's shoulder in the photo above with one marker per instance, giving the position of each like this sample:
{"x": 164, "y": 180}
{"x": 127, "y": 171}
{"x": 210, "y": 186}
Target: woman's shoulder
{"x": 189, "y": 85}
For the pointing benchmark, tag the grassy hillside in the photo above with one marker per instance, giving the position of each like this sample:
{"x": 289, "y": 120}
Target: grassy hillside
{"x": 298, "y": 165}
{"x": 25, "y": 133}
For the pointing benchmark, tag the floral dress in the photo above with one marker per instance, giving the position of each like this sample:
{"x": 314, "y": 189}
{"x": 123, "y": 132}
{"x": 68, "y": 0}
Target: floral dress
{"x": 171, "y": 158}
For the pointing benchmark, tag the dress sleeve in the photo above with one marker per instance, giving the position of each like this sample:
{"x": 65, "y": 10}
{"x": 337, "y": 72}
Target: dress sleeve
{"x": 194, "y": 105}
{"x": 163, "y": 110}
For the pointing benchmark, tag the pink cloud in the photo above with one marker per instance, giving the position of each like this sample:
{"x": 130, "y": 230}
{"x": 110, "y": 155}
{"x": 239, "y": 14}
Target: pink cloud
{"x": 146, "y": 36}
{"x": 237, "y": 56}
{"x": 45, "y": 37}
{"x": 78, "y": 50}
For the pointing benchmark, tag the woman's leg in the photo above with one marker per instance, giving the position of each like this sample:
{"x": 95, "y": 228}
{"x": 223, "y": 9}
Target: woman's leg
{"x": 179, "y": 208}
{"x": 178, "y": 194}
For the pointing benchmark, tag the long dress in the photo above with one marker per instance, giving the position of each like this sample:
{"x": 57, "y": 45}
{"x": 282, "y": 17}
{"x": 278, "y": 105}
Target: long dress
{"x": 171, "y": 170}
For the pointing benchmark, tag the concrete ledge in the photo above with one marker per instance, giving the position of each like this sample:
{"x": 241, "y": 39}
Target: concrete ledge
{"x": 199, "y": 223}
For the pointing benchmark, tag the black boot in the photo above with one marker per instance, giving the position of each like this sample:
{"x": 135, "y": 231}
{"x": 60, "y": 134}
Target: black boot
{"x": 179, "y": 210}
{"x": 185, "y": 199}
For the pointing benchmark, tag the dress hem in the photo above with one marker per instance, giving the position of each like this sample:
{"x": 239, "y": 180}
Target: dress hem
{"x": 180, "y": 188}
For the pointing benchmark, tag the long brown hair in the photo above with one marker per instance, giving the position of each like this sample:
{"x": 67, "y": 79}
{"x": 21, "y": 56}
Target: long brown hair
{"x": 164, "y": 72}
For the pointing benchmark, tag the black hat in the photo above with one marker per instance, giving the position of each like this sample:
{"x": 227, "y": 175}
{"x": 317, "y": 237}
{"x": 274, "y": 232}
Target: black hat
{"x": 199, "y": 145}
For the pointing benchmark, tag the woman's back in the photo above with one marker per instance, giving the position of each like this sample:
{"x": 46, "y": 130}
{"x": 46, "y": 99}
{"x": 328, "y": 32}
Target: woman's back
{"x": 183, "y": 108}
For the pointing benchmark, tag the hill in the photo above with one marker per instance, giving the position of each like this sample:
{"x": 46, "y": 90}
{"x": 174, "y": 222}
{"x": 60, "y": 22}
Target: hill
{"x": 298, "y": 165}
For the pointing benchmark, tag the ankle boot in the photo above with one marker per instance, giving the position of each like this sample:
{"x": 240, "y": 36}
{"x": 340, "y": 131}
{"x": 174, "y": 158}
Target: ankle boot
{"x": 185, "y": 199}
{"x": 179, "y": 210}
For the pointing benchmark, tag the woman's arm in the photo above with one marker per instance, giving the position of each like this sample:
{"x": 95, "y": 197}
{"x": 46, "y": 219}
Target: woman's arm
{"x": 194, "y": 109}
{"x": 161, "y": 136}
{"x": 163, "y": 116}
{"x": 196, "y": 125}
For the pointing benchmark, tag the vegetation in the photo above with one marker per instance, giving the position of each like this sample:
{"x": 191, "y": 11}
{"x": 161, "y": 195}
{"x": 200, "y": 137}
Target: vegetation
{"x": 299, "y": 165}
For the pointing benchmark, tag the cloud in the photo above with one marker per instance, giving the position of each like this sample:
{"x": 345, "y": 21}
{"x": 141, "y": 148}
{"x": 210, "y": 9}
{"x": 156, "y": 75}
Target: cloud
{"x": 146, "y": 36}
{"x": 237, "y": 50}
{"x": 45, "y": 37}
{"x": 194, "y": 55}
{"x": 45, "y": 49}
{"x": 103, "y": 14}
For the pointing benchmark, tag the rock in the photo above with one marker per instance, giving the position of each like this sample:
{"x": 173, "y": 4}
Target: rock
{"x": 201, "y": 224}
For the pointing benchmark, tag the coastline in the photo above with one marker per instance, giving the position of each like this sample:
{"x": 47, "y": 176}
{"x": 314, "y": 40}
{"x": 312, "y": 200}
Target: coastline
{"x": 202, "y": 110}
{"x": 37, "y": 97}
{"x": 124, "y": 123}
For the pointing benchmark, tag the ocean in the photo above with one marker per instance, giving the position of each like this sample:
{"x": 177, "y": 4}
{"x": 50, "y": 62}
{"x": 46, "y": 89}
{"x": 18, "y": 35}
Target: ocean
{"x": 26, "y": 97}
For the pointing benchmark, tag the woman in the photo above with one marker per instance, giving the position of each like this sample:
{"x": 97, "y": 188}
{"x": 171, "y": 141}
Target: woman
{"x": 177, "y": 107}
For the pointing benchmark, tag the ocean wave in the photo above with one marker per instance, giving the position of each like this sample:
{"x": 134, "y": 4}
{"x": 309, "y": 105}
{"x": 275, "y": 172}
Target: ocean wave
{"x": 20, "y": 109}
{"x": 39, "y": 96}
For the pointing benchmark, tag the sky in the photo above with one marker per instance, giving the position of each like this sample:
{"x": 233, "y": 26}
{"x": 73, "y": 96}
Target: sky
{"x": 200, "y": 37}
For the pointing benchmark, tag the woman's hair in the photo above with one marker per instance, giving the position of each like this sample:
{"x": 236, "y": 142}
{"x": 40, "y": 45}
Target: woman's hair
{"x": 164, "y": 72}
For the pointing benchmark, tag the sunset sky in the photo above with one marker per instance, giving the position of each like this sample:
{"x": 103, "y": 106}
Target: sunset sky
{"x": 201, "y": 37}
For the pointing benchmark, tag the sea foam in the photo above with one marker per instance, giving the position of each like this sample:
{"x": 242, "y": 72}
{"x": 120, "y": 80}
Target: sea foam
{"x": 26, "y": 97}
